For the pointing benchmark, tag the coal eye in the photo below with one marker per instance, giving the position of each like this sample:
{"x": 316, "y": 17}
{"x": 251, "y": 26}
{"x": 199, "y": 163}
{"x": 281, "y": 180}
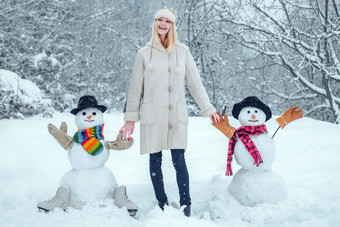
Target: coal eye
{"x": 94, "y": 113}
{"x": 248, "y": 111}
{"x": 84, "y": 113}
{"x": 255, "y": 111}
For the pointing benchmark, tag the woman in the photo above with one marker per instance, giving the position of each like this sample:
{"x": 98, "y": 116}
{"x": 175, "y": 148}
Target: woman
{"x": 157, "y": 88}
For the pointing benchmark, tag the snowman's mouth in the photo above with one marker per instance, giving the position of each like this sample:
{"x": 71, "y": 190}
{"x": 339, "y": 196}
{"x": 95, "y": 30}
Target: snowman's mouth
{"x": 89, "y": 120}
{"x": 253, "y": 120}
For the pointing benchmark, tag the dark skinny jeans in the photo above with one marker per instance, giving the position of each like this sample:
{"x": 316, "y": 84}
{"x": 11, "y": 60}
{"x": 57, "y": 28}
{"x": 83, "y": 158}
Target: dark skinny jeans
{"x": 182, "y": 176}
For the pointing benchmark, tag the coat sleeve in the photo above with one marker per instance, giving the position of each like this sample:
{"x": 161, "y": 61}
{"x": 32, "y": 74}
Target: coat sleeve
{"x": 135, "y": 91}
{"x": 196, "y": 87}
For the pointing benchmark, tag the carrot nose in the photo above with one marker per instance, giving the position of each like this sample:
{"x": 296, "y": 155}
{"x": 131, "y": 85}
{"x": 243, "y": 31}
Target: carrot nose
{"x": 253, "y": 116}
{"x": 89, "y": 117}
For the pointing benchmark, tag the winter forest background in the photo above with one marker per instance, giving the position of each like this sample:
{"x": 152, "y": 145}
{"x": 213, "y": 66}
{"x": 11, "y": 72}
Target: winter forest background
{"x": 286, "y": 52}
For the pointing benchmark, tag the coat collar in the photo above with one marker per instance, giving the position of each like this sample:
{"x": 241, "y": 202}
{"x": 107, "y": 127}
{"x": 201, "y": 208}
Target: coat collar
{"x": 160, "y": 48}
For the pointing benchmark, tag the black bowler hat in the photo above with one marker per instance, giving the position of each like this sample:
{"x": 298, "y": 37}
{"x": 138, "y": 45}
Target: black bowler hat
{"x": 87, "y": 101}
{"x": 252, "y": 101}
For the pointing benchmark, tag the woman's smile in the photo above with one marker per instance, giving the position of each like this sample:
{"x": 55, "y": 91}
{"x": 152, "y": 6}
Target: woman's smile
{"x": 163, "y": 28}
{"x": 163, "y": 25}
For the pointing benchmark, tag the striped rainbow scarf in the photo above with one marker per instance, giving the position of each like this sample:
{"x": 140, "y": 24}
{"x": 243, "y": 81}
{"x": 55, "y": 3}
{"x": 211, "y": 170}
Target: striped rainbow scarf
{"x": 89, "y": 139}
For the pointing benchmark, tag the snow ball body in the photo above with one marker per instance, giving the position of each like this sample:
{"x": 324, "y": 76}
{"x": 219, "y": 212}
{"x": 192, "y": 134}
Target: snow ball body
{"x": 251, "y": 188}
{"x": 252, "y": 116}
{"x": 79, "y": 158}
{"x": 89, "y": 185}
{"x": 89, "y": 180}
{"x": 254, "y": 185}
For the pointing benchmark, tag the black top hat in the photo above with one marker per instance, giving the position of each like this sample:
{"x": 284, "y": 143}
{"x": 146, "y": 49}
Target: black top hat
{"x": 252, "y": 101}
{"x": 87, "y": 101}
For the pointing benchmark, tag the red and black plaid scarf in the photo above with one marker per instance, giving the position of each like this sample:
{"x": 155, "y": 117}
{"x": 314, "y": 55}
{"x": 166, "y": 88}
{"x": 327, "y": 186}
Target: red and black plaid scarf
{"x": 243, "y": 134}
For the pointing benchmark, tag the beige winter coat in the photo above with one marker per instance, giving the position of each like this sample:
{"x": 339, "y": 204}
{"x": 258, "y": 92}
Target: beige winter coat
{"x": 157, "y": 97}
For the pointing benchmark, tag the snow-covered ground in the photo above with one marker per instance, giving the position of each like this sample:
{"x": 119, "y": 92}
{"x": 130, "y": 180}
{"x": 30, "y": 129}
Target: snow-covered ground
{"x": 308, "y": 158}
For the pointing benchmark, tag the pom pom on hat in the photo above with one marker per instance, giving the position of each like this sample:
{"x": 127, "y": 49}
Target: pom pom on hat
{"x": 150, "y": 65}
{"x": 177, "y": 69}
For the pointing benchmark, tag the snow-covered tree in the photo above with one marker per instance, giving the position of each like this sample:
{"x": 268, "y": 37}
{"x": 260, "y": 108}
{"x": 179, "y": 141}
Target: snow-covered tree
{"x": 303, "y": 38}
{"x": 286, "y": 52}
{"x": 20, "y": 98}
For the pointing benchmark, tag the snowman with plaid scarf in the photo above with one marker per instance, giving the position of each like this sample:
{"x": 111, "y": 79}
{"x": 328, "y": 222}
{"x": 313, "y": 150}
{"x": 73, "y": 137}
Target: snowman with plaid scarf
{"x": 254, "y": 151}
{"x": 88, "y": 181}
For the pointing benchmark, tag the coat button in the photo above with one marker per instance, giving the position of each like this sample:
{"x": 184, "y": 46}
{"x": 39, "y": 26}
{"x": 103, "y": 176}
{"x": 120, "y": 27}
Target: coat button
{"x": 170, "y": 89}
{"x": 169, "y": 69}
{"x": 170, "y": 126}
{"x": 170, "y": 107}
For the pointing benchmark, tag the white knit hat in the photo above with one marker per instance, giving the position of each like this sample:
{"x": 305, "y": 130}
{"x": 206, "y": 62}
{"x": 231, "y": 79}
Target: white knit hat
{"x": 167, "y": 14}
{"x": 172, "y": 17}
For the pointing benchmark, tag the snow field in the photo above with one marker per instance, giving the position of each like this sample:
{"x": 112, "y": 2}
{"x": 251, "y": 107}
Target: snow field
{"x": 307, "y": 157}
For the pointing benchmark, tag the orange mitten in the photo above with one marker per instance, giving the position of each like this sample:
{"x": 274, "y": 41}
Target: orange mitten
{"x": 224, "y": 126}
{"x": 290, "y": 115}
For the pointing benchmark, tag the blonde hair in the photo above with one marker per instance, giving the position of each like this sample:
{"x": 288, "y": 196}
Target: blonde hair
{"x": 171, "y": 37}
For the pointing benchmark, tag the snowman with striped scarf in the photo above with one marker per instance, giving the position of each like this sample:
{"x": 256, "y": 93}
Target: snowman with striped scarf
{"x": 254, "y": 151}
{"x": 89, "y": 181}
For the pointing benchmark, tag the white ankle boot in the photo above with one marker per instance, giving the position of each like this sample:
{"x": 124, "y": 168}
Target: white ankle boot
{"x": 60, "y": 200}
{"x": 121, "y": 200}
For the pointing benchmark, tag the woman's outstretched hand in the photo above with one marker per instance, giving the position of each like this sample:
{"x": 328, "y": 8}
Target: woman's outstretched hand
{"x": 127, "y": 129}
{"x": 215, "y": 117}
